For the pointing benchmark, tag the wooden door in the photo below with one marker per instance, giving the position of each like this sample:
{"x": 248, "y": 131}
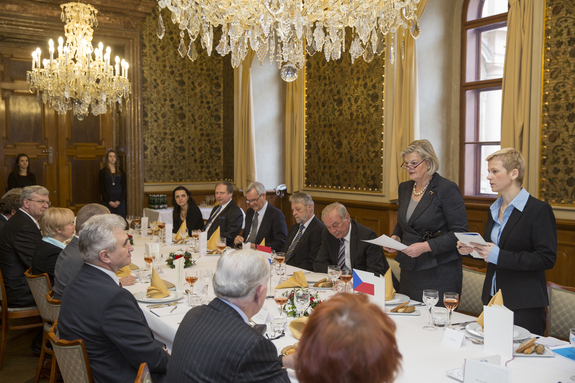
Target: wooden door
{"x": 65, "y": 153}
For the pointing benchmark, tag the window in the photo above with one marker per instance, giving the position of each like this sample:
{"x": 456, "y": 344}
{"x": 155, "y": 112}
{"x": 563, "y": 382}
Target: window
{"x": 484, "y": 33}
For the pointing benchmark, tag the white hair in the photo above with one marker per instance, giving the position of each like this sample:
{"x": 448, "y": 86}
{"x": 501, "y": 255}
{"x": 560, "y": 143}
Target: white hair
{"x": 97, "y": 234}
{"x": 239, "y": 273}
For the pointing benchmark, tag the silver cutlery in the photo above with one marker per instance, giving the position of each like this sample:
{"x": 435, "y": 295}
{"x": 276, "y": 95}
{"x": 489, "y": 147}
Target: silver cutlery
{"x": 474, "y": 340}
{"x": 158, "y": 306}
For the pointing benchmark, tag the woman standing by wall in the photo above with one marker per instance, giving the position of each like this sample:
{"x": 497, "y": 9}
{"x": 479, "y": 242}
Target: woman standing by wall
{"x": 113, "y": 185}
{"x": 21, "y": 175}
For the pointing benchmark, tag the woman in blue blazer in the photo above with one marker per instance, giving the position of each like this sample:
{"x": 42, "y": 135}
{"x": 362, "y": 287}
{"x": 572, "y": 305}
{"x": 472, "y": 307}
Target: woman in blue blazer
{"x": 521, "y": 240}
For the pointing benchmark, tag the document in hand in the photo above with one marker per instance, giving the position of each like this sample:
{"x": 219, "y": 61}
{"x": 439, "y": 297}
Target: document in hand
{"x": 386, "y": 241}
{"x": 467, "y": 238}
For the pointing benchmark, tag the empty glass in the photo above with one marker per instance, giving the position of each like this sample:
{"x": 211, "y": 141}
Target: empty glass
{"x": 333, "y": 271}
{"x": 302, "y": 301}
{"x": 430, "y": 299}
{"x": 439, "y": 316}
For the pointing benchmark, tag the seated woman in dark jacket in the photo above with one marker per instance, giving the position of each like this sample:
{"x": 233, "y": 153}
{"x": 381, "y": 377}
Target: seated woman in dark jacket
{"x": 57, "y": 226}
{"x": 185, "y": 209}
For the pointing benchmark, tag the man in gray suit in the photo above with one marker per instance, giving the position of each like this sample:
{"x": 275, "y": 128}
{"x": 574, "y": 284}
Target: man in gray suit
{"x": 70, "y": 260}
{"x": 214, "y": 343}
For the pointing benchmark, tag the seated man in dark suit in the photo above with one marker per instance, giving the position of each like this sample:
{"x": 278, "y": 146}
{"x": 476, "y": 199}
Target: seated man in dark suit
{"x": 342, "y": 244}
{"x": 263, "y": 221}
{"x": 215, "y": 343}
{"x": 70, "y": 260}
{"x": 304, "y": 238}
{"x": 19, "y": 238}
{"x": 227, "y": 215}
{"x": 9, "y": 205}
{"x": 106, "y": 316}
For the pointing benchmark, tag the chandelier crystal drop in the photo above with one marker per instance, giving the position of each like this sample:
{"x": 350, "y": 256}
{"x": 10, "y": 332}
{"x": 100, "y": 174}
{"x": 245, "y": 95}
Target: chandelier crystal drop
{"x": 80, "y": 78}
{"x": 288, "y": 29}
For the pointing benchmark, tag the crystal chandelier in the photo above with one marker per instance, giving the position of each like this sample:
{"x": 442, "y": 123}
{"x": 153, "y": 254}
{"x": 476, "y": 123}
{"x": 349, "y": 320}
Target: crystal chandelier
{"x": 283, "y": 28}
{"x": 81, "y": 77}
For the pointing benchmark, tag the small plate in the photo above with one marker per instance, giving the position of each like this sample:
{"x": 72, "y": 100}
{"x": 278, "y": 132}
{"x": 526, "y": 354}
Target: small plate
{"x": 415, "y": 313}
{"x": 519, "y": 333}
{"x": 398, "y": 299}
{"x": 456, "y": 373}
{"x": 547, "y": 354}
{"x": 174, "y": 296}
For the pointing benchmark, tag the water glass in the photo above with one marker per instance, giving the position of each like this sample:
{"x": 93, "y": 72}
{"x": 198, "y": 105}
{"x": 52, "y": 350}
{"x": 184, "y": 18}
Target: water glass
{"x": 194, "y": 300}
{"x": 144, "y": 276}
{"x": 302, "y": 301}
{"x": 333, "y": 271}
{"x": 430, "y": 299}
{"x": 278, "y": 325}
{"x": 439, "y": 316}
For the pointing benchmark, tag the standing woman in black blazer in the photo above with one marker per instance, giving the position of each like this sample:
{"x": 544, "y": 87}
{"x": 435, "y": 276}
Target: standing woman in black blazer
{"x": 521, "y": 238}
{"x": 185, "y": 208}
{"x": 112, "y": 184}
{"x": 431, "y": 210}
{"x": 21, "y": 175}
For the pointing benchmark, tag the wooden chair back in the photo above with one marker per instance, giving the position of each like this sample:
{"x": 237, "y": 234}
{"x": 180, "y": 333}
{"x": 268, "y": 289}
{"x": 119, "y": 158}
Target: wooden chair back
{"x": 561, "y": 316}
{"x": 72, "y": 358}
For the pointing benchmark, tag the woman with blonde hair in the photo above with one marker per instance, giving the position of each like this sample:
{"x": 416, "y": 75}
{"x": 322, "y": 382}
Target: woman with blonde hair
{"x": 57, "y": 226}
{"x": 521, "y": 238}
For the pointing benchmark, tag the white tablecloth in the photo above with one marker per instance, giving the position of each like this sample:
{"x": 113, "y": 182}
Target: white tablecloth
{"x": 425, "y": 358}
{"x": 165, "y": 215}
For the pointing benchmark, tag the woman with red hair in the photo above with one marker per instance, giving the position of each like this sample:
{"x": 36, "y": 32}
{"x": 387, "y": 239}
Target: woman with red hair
{"x": 348, "y": 339}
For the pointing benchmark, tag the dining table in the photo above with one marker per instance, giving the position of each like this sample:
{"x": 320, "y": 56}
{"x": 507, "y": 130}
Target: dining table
{"x": 425, "y": 355}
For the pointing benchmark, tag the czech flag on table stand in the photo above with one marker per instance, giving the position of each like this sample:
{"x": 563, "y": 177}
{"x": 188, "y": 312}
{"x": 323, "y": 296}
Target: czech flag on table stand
{"x": 265, "y": 249}
{"x": 367, "y": 283}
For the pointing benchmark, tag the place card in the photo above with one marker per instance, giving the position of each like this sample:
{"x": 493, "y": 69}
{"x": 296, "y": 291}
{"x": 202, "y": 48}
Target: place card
{"x": 168, "y": 231}
{"x": 203, "y": 238}
{"x": 152, "y": 249}
{"x": 179, "y": 266}
{"x": 485, "y": 370}
{"x": 498, "y": 330}
{"x": 453, "y": 338}
{"x": 262, "y": 317}
{"x": 144, "y": 226}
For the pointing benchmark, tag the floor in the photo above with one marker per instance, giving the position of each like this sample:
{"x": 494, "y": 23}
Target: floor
{"x": 19, "y": 361}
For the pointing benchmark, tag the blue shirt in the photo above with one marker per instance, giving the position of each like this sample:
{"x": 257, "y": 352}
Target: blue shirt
{"x": 518, "y": 203}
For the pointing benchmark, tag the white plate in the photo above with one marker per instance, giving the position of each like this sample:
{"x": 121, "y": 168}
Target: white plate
{"x": 398, "y": 299}
{"x": 518, "y": 332}
{"x": 174, "y": 296}
{"x": 547, "y": 354}
{"x": 456, "y": 373}
{"x": 415, "y": 313}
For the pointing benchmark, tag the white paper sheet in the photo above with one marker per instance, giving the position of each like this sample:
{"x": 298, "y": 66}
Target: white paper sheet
{"x": 467, "y": 238}
{"x": 386, "y": 241}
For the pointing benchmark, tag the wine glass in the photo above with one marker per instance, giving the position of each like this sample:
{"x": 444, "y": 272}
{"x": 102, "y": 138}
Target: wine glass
{"x": 450, "y": 301}
{"x": 302, "y": 300}
{"x": 430, "y": 299}
{"x": 572, "y": 340}
{"x": 221, "y": 244}
{"x": 206, "y": 278}
{"x": 280, "y": 259}
{"x": 280, "y": 299}
{"x": 191, "y": 278}
{"x": 136, "y": 222}
{"x": 346, "y": 276}
{"x": 162, "y": 227}
{"x": 333, "y": 271}
{"x": 129, "y": 219}
{"x": 149, "y": 259}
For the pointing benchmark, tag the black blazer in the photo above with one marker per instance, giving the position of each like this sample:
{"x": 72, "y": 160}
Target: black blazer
{"x": 3, "y": 220}
{"x": 18, "y": 240}
{"x": 273, "y": 227}
{"x": 440, "y": 209}
{"x": 194, "y": 220}
{"x": 528, "y": 247}
{"x": 102, "y": 185}
{"x": 107, "y": 317}
{"x": 308, "y": 246}
{"x": 20, "y": 181}
{"x": 214, "y": 344}
{"x": 44, "y": 259}
{"x": 364, "y": 256}
{"x": 229, "y": 221}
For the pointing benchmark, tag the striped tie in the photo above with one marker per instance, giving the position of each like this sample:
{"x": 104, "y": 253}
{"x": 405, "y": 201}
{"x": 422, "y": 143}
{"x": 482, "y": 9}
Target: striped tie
{"x": 208, "y": 224}
{"x": 293, "y": 245}
{"x": 341, "y": 255}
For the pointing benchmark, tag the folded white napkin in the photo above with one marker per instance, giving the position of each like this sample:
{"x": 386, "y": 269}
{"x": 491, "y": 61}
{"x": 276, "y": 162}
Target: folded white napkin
{"x": 181, "y": 309}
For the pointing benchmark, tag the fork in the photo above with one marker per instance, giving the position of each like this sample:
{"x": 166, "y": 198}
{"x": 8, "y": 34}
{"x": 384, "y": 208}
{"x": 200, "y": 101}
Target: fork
{"x": 158, "y": 306}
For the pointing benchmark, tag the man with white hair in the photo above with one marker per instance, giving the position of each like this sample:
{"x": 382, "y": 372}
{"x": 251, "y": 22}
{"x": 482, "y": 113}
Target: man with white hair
{"x": 19, "y": 238}
{"x": 215, "y": 343}
{"x": 96, "y": 309}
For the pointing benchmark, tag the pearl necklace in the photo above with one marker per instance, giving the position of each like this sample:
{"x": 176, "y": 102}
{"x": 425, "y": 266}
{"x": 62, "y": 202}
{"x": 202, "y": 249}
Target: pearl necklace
{"x": 421, "y": 192}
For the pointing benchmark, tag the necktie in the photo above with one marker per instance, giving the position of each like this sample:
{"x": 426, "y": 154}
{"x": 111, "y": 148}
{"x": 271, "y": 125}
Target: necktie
{"x": 254, "y": 229}
{"x": 341, "y": 255}
{"x": 293, "y": 245}
{"x": 212, "y": 218}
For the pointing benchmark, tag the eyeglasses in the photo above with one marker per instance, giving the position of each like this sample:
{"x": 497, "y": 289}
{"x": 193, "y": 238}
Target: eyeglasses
{"x": 41, "y": 202}
{"x": 250, "y": 201}
{"x": 405, "y": 165}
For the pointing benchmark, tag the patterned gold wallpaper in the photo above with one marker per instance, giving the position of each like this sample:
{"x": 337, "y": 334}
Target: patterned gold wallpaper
{"x": 183, "y": 107}
{"x": 344, "y": 123}
{"x": 558, "y": 130}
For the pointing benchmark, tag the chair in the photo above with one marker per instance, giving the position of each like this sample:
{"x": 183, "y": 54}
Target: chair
{"x": 72, "y": 358}
{"x": 8, "y": 313}
{"x": 40, "y": 286}
{"x": 144, "y": 375}
{"x": 561, "y": 315}
{"x": 470, "y": 301}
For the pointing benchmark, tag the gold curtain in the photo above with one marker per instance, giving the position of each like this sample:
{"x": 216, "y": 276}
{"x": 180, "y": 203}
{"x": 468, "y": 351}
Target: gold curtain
{"x": 403, "y": 90}
{"x": 517, "y": 84}
{"x": 244, "y": 153}
{"x": 294, "y": 155}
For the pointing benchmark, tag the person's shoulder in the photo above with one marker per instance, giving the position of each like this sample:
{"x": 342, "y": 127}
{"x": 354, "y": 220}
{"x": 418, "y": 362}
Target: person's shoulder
{"x": 537, "y": 204}
{"x": 361, "y": 229}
